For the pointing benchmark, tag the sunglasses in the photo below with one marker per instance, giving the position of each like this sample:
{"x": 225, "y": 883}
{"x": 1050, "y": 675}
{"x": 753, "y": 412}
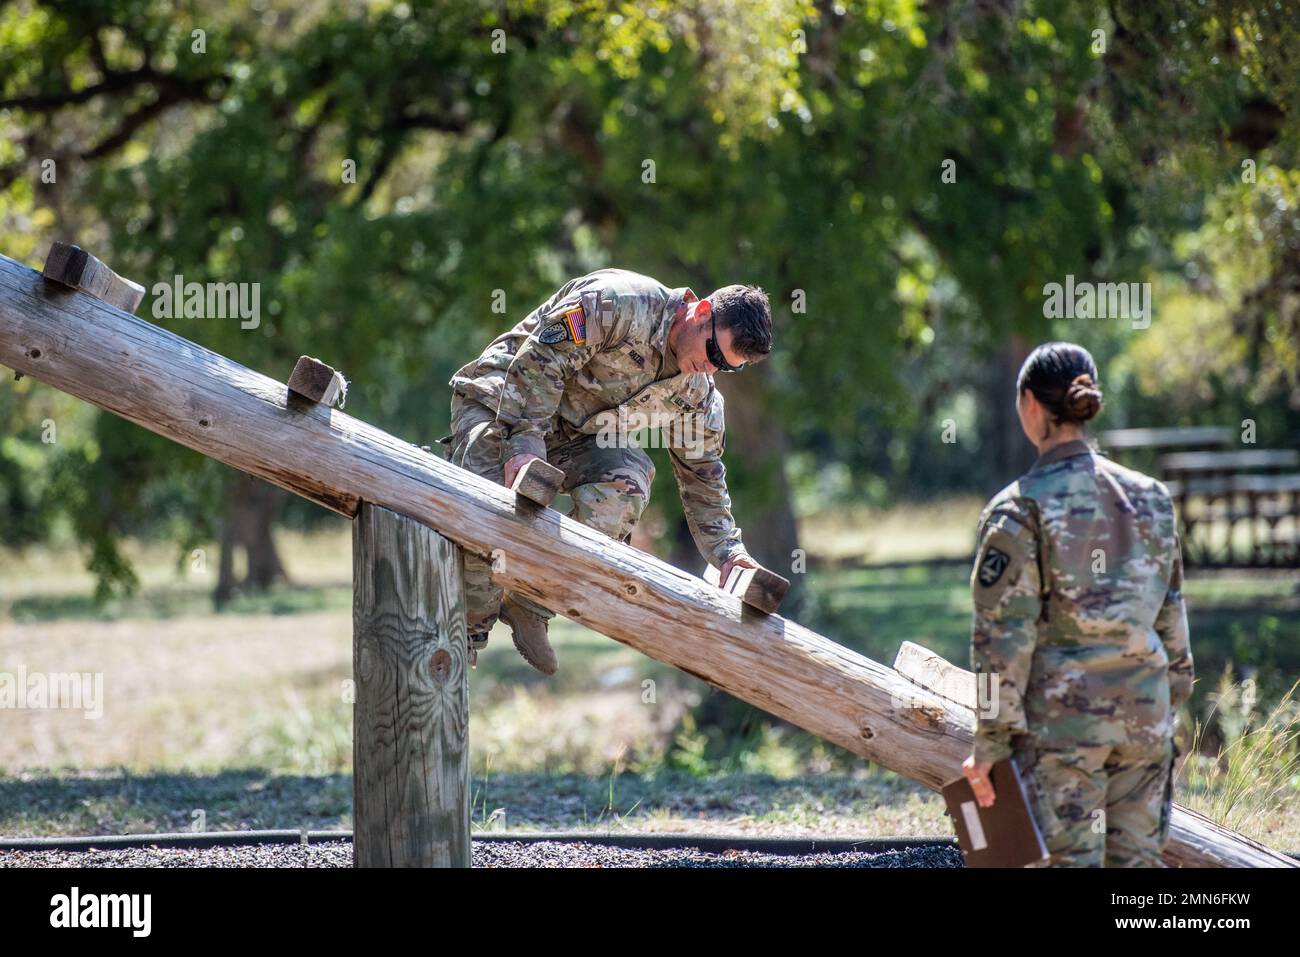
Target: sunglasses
{"x": 714, "y": 353}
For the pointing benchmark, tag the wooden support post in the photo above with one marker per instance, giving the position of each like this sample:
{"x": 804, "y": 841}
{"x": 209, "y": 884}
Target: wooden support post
{"x": 411, "y": 716}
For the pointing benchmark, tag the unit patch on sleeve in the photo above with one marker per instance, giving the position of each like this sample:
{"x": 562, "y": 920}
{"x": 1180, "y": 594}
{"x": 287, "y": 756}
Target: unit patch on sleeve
{"x": 556, "y": 332}
{"x": 991, "y": 568}
{"x": 563, "y": 323}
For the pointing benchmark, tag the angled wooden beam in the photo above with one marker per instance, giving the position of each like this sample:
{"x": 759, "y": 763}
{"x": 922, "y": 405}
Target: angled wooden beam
{"x": 210, "y": 403}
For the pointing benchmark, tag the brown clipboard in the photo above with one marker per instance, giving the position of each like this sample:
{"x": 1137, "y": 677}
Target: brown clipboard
{"x": 1004, "y": 835}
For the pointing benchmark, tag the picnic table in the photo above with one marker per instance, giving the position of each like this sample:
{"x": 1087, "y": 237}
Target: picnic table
{"x": 1236, "y": 506}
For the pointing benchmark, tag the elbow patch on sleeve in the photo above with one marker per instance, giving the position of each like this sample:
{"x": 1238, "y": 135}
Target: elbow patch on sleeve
{"x": 1007, "y": 544}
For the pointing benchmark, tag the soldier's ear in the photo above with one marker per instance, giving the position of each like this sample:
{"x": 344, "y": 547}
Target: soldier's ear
{"x": 702, "y": 309}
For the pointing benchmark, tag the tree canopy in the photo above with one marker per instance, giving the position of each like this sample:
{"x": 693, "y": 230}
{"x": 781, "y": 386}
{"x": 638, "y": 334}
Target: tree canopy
{"x": 405, "y": 179}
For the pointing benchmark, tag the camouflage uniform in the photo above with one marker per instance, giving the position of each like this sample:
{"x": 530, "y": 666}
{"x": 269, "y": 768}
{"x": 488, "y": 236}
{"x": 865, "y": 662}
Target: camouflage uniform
{"x": 1079, "y": 613}
{"x": 569, "y": 383}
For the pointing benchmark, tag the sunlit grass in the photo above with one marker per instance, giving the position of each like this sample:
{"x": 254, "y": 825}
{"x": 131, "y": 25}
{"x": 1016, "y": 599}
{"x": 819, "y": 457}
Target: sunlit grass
{"x": 248, "y": 703}
{"x": 1252, "y": 775}
{"x": 904, "y": 533}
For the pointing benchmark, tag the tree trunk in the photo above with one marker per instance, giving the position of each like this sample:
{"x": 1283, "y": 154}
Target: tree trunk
{"x": 1011, "y": 454}
{"x": 264, "y": 567}
{"x": 251, "y": 509}
{"x": 755, "y": 455}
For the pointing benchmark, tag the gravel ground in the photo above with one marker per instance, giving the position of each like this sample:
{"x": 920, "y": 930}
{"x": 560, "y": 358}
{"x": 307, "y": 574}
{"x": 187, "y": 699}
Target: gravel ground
{"x": 494, "y": 854}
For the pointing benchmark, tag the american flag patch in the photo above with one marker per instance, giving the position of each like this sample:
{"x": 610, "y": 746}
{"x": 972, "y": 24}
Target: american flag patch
{"x": 576, "y": 320}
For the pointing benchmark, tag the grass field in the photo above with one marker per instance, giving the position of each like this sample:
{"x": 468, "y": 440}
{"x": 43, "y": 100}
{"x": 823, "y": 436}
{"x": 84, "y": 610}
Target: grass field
{"x": 240, "y": 719}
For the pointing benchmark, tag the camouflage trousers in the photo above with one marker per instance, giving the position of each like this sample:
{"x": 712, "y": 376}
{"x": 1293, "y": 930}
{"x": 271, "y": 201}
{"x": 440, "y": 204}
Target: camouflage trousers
{"x": 1101, "y": 806}
{"x": 609, "y": 488}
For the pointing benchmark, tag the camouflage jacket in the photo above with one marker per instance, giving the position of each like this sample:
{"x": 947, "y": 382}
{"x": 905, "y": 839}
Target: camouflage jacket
{"x": 1079, "y": 618}
{"x": 594, "y": 360}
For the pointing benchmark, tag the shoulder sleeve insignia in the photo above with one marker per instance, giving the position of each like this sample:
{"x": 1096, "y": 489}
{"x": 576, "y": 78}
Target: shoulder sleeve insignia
{"x": 556, "y": 332}
{"x": 1006, "y": 546}
{"x": 994, "y": 564}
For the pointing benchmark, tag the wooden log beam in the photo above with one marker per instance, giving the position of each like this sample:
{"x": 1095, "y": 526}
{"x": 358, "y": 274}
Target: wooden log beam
{"x": 410, "y": 738}
{"x": 210, "y": 403}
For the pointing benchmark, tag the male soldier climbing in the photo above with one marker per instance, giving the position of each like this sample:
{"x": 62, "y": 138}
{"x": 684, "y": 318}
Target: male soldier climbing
{"x": 609, "y": 353}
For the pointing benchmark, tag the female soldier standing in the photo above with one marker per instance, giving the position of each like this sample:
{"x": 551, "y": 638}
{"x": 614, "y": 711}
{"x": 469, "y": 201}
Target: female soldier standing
{"x": 1079, "y": 622}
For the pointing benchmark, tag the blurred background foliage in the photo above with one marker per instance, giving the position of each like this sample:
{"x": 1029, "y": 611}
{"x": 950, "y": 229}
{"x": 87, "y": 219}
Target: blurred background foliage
{"x": 800, "y": 145}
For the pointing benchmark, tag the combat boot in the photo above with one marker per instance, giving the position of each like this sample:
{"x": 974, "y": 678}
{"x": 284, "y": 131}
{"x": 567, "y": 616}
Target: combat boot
{"x": 529, "y": 629}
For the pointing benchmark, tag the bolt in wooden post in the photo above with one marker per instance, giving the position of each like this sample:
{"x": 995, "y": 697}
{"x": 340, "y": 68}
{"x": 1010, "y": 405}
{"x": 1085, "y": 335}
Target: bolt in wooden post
{"x": 411, "y": 716}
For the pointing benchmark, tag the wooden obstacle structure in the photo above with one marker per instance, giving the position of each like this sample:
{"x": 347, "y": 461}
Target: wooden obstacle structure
{"x": 414, "y": 514}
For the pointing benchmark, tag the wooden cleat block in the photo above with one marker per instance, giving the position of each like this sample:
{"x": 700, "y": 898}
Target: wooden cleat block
{"x": 539, "y": 482}
{"x": 758, "y": 588}
{"x": 74, "y": 267}
{"x": 925, "y": 668}
{"x": 317, "y": 382}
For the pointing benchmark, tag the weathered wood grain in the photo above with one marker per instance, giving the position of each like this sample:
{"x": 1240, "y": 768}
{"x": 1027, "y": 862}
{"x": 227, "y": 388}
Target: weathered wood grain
{"x": 411, "y": 713}
{"x": 758, "y": 588}
{"x": 208, "y": 402}
{"x": 317, "y": 382}
{"x": 74, "y": 267}
{"x": 921, "y": 665}
{"x": 539, "y": 482}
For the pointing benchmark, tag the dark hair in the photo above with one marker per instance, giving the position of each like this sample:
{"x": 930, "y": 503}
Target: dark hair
{"x": 746, "y": 312}
{"x": 1063, "y": 377}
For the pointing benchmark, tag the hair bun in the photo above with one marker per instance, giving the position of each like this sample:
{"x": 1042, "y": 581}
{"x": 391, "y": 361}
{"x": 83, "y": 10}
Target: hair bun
{"x": 1083, "y": 399}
